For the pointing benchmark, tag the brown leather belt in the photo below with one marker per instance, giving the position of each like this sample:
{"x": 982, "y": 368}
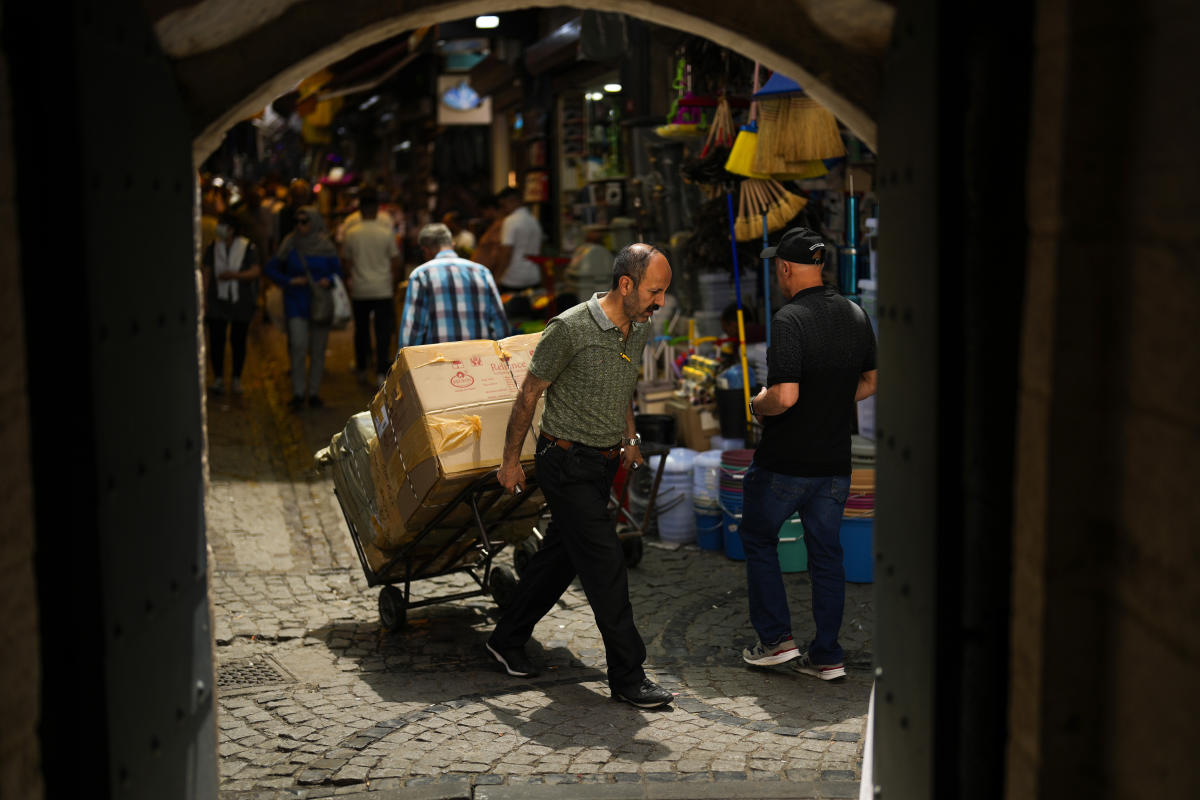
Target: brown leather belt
{"x": 567, "y": 444}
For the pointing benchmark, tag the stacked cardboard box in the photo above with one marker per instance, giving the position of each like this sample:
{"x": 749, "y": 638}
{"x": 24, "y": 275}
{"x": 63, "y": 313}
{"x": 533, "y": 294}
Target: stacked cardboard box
{"x": 440, "y": 420}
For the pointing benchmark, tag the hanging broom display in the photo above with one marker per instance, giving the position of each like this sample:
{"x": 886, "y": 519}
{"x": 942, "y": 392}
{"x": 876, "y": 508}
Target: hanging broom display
{"x": 795, "y": 132}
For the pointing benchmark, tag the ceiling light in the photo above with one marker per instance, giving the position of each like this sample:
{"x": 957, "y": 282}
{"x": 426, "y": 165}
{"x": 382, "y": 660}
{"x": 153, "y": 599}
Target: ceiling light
{"x": 370, "y": 101}
{"x": 612, "y": 87}
{"x": 487, "y": 21}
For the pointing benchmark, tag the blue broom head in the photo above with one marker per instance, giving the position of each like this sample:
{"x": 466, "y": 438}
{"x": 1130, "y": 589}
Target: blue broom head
{"x": 778, "y": 84}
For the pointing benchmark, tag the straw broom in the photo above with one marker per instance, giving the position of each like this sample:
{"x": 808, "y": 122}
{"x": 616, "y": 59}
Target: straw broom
{"x": 808, "y": 131}
{"x": 764, "y": 198}
{"x": 741, "y": 157}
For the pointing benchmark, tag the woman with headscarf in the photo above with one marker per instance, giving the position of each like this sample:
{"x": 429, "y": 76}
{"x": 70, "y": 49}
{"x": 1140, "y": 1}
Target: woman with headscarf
{"x": 306, "y": 250}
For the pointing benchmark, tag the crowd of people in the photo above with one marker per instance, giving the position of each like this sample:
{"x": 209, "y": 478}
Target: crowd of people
{"x": 272, "y": 248}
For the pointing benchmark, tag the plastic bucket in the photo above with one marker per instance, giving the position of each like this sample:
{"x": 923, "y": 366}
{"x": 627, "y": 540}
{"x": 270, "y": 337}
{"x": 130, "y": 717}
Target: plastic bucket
{"x": 857, "y": 545}
{"x": 709, "y": 524}
{"x": 793, "y": 552}
{"x": 733, "y": 539}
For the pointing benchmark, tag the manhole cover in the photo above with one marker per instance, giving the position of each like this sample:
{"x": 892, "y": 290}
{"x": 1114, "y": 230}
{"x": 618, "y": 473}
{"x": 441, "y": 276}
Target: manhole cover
{"x": 251, "y": 673}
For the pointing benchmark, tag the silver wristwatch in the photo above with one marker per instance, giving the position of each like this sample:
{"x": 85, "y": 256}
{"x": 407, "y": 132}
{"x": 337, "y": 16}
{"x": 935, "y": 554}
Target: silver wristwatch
{"x": 636, "y": 441}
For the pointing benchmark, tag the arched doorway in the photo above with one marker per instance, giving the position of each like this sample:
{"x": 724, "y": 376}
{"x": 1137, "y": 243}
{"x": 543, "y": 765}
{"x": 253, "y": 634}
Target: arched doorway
{"x": 103, "y": 130}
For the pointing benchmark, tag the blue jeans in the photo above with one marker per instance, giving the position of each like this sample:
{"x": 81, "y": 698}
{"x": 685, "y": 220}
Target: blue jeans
{"x": 768, "y": 499}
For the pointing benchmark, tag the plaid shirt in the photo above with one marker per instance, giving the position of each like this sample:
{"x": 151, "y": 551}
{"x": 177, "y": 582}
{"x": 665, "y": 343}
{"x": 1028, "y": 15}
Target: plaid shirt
{"x": 451, "y": 299}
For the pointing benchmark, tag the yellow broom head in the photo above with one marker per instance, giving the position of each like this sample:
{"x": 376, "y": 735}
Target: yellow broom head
{"x": 746, "y": 229}
{"x": 741, "y": 157}
{"x": 808, "y": 131}
{"x": 802, "y": 170}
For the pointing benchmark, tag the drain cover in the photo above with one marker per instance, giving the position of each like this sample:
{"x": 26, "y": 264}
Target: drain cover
{"x": 251, "y": 673}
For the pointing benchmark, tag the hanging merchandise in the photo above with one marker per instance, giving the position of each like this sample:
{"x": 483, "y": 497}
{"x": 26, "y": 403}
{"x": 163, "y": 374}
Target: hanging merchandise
{"x": 741, "y": 157}
{"x": 795, "y": 132}
{"x": 709, "y": 168}
{"x": 759, "y": 200}
{"x": 685, "y": 120}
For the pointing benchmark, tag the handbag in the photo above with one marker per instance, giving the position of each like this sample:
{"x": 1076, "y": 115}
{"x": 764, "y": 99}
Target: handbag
{"x": 330, "y": 304}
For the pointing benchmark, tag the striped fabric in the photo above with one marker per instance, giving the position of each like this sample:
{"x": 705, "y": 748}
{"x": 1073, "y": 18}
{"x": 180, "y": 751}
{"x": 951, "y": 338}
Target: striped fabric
{"x": 451, "y": 299}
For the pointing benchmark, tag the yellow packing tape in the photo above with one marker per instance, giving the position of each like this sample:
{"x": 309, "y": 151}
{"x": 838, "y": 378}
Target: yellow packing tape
{"x": 438, "y": 434}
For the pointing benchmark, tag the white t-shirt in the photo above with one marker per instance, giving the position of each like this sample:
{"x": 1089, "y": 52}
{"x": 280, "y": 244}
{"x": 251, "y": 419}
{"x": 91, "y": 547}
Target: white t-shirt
{"x": 349, "y": 222}
{"x": 523, "y": 233}
{"x": 370, "y": 246}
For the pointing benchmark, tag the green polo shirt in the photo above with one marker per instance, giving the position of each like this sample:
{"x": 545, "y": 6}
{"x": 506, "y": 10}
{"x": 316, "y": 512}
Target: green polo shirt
{"x": 592, "y": 369}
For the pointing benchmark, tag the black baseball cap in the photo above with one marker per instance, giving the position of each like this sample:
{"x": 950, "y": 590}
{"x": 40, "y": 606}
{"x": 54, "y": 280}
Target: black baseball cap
{"x": 798, "y": 245}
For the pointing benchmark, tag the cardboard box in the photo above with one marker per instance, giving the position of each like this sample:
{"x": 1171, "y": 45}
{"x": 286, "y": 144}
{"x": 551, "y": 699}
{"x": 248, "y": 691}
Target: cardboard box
{"x": 652, "y": 396}
{"x": 519, "y": 350}
{"x": 694, "y": 425}
{"x": 441, "y": 418}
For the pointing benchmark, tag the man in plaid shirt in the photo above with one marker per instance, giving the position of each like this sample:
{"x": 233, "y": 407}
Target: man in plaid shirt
{"x": 449, "y": 299}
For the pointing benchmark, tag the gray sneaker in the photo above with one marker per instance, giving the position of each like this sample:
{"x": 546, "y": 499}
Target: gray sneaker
{"x": 826, "y": 672}
{"x": 761, "y": 655}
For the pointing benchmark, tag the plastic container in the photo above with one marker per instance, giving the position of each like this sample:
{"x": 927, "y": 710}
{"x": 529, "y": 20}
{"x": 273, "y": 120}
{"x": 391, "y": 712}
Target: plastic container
{"x": 709, "y": 525}
{"x": 673, "y": 503}
{"x": 706, "y": 467}
{"x": 857, "y": 537}
{"x": 793, "y": 552}
{"x": 719, "y": 442}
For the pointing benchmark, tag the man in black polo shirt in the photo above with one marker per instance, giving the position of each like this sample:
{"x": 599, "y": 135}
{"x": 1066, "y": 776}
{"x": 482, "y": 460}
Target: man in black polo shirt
{"x": 820, "y": 363}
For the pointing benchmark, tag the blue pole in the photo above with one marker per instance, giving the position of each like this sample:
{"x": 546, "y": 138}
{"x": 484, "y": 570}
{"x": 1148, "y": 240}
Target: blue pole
{"x": 737, "y": 282}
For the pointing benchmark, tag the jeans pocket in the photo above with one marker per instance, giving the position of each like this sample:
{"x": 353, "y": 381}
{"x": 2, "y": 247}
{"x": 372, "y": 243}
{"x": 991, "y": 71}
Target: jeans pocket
{"x": 839, "y": 488}
{"x": 584, "y": 465}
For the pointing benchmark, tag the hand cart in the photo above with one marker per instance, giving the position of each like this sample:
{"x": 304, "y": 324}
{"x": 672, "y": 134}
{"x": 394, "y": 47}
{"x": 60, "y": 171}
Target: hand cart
{"x": 448, "y": 544}
{"x": 490, "y": 507}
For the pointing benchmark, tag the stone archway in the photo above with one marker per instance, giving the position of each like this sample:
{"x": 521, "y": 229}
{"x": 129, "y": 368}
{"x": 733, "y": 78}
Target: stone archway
{"x": 232, "y": 59}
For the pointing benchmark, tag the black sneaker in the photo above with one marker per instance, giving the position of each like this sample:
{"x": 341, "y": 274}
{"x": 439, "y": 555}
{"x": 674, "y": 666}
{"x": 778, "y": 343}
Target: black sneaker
{"x": 513, "y": 660}
{"x": 296, "y": 403}
{"x": 646, "y": 695}
{"x": 315, "y": 402}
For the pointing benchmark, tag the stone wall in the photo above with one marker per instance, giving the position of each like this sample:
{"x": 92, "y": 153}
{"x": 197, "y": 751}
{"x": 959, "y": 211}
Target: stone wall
{"x": 20, "y": 770}
{"x": 1105, "y": 648}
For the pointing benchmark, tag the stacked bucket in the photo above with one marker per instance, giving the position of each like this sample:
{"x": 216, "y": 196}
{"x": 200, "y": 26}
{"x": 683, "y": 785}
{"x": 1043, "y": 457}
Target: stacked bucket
{"x": 734, "y": 464}
{"x": 673, "y": 503}
{"x": 858, "y": 523}
{"x": 706, "y": 503}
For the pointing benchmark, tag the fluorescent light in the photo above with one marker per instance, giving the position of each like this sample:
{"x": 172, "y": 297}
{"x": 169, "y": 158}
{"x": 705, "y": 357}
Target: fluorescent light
{"x": 612, "y": 87}
{"x": 595, "y": 96}
{"x": 405, "y": 145}
{"x": 370, "y": 101}
{"x": 487, "y": 21}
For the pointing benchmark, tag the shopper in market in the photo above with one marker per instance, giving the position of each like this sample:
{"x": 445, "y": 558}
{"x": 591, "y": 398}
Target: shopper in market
{"x": 305, "y": 251}
{"x": 520, "y": 237}
{"x": 821, "y": 362}
{"x": 372, "y": 264}
{"x": 231, "y": 269}
{"x": 587, "y": 364}
{"x": 449, "y": 299}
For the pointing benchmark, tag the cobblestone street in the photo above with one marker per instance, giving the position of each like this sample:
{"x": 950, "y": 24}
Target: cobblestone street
{"x": 316, "y": 699}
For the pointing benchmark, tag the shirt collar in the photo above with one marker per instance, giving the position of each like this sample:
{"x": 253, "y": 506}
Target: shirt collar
{"x": 602, "y": 319}
{"x": 447, "y": 253}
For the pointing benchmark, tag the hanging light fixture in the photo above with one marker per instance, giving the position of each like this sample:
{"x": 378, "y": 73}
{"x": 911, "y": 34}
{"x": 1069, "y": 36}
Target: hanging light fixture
{"x": 487, "y": 21}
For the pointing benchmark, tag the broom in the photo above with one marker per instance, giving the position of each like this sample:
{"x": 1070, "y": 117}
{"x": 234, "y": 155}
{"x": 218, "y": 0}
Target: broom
{"x": 764, "y": 203}
{"x": 795, "y": 132}
{"x": 741, "y": 157}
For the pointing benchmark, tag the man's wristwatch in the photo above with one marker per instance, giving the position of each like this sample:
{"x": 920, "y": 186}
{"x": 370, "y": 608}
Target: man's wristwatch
{"x": 634, "y": 441}
{"x": 753, "y": 413}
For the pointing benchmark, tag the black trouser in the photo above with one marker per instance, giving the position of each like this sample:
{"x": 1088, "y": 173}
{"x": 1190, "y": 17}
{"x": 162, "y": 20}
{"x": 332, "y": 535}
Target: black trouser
{"x": 216, "y": 346}
{"x": 385, "y": 326}
{"x": 581, "y": 540}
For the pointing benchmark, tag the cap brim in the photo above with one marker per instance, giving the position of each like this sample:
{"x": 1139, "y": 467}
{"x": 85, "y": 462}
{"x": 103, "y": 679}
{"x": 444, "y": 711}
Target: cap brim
{"x": 768, "y": 252}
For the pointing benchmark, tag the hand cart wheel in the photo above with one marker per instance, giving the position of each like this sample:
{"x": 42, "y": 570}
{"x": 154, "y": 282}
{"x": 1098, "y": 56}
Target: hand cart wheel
{"x": 632, "y": 545}
{"x": 523, "y": 552}
{"x": 502, "y": 584}
{"x": 393, "y": 608}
